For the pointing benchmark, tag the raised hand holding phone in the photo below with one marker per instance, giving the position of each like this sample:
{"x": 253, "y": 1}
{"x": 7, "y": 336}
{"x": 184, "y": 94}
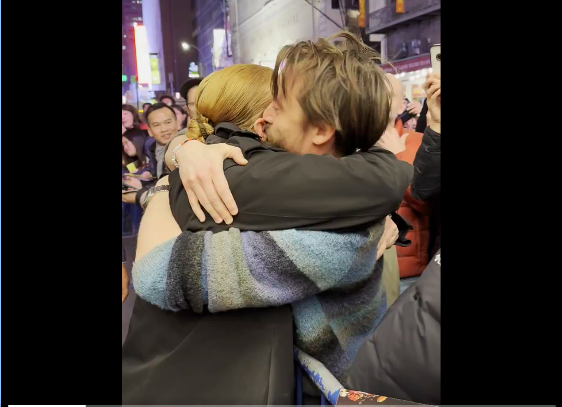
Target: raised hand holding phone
{"x": 432, "y": 87}
{"x": 435, "y": 53}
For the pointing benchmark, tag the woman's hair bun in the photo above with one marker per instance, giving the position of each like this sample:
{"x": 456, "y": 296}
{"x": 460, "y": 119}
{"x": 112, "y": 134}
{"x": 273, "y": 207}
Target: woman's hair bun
{"x": 199, "y": 129}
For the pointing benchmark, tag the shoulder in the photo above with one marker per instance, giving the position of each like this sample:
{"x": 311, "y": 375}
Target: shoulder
{"x": 163, "y": 181}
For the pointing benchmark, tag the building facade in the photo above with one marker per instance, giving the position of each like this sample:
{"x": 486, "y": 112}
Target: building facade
{"x": 131, "y": 14}
{"x": 407, "y": 29}
{"x": 152, "y": 20}
{"x": 260, "y": 28}
{"x": 177, "y": 19}
{"x": 211, "y": 33}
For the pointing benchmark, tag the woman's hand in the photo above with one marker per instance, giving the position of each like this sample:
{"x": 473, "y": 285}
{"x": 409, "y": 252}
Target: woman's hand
{"x": 432, "y": 87}
{"x": 201, "y": 172}
{"x": 388, "y": 238}
{"x": 147, "y": 176}
{"x": 134, "y": 182}
{"x": 415, "y": 108}
{"x": 391, "y": 141}
{"x": 124, "y": 283}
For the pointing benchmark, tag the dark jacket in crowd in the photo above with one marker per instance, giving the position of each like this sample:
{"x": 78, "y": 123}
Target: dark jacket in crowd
{"x": 246, "y": 356}
{"x": 150, "y": 151}
{"x": 402, "y": 358}
{"x": 426, "y": 184}
{"x": 422, "y": 120}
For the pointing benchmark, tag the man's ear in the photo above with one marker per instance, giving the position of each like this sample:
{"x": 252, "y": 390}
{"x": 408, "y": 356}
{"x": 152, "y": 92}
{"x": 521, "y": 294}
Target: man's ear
{"x": 324, "y": 134}
{"x": 150, "y": 132}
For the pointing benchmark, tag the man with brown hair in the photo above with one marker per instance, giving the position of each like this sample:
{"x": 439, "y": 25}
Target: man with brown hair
{"x": 328, "y": 99}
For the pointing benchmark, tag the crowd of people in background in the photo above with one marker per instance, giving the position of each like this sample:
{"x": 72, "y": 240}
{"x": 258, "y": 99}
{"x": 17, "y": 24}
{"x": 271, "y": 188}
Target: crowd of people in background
{"x": 142, "y": 147}
{"x": 387, "y": 344}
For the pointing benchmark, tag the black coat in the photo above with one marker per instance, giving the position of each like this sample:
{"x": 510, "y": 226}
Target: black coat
{"x": 426, "y": 184}
{"x": 402, "y": 358}
{"x": 236, "y": 357}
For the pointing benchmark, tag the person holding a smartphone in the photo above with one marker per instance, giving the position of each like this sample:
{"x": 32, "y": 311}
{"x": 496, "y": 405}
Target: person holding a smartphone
{"x": 389, "y": 361}
{"x": 410, "y": 110}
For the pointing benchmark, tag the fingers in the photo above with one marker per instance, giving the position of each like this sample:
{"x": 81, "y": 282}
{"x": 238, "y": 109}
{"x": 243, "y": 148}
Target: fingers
{"x": 208, "y": 202}
{"x": 436, "y": 94}
{"x": 223, "y": 190}
{"x": 236, "y": 154}
{"x": 427, "y": 83}
{"x": 432, "y": 90}
{"x": 380, "y": 249}
{"x": 194, "y": 202}
{"x": 431, "y": 81}
{"x": 215, "y": 202}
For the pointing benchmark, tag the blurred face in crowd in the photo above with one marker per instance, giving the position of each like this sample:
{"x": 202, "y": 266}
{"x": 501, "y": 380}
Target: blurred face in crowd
{"x": 168, "y": 101}
{"x": 191, "y": 102}
{"x": 162, "y": 125}
{"x": 285, "y": 125}
{"x": 127, "y": 119}
{"x": 180, "y": 115}
{"x": 129, "y": 147}
{"x": 410, "y": 124}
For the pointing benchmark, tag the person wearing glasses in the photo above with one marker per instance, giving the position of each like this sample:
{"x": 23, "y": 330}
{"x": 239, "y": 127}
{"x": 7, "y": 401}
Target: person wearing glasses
{"x": 188, "y": 91}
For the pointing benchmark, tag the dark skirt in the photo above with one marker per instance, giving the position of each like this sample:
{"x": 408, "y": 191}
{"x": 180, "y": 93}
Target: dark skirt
{"x": 236, "y": 357}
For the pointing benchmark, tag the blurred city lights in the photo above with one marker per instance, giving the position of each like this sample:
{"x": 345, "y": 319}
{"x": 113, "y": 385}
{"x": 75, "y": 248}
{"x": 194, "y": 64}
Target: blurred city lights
{"x": 218, "y": 40}
{"x": 185, "y": 46}
{"x": 177, "y": 95}
{"x": 143, "y": 58}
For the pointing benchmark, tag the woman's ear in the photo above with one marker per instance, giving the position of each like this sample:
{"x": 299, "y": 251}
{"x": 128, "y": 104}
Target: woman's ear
{"x": 259, "y": 128}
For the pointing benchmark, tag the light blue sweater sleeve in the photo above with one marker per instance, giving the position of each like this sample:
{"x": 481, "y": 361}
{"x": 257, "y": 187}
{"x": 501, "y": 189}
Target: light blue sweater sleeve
{"x": 150, "y": 274}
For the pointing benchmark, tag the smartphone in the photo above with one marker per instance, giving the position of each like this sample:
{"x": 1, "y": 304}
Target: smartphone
{"x": 135, "y": 176}
{"x": 435, "y": 52}
{"x": 127, "y": 188}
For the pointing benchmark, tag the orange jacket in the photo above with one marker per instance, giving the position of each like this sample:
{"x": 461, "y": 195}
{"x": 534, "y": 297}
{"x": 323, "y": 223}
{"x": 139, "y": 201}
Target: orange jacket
{"x": 412, "y": 260}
